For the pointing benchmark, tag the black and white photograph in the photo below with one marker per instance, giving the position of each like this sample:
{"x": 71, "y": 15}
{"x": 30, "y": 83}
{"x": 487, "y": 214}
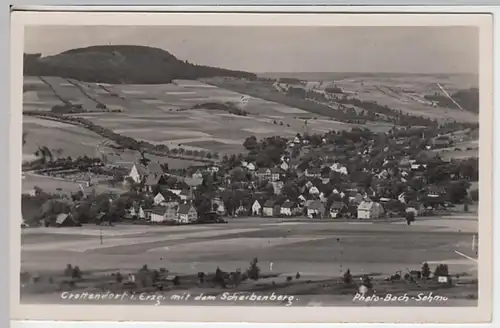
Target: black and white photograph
{"x": 252, "y": 166}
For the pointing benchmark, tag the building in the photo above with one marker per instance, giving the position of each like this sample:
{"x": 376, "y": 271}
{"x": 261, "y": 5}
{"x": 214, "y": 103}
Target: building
{"x": 256, "y": 208}
{"x": 187, "y": 213}
{"x": 313, "y": 173}
{"x": 315, "y": 209}
{"x": 313, "y": 190}
{"x": 185, "y": 195}
{"x": 263, "y": 174}
{"x": 275, "y": 174}
{"x": 368, "y": 209}
{"x": 277, "y": 187}
{"x": 268, "y": 208}
{"x": 137, "y": 173}
{"x": 218, "y": 206}
{"x": 157, "y": 214}
{"x": 65, "y": 220}
{"x": 289, "y": 209}
{"x": 251, "y": 166}
{"x": 284, "y": 166}
{"x": 163, "y": 197}
{"x": 337, "y": 209}
{"x": 197, "y": 175}
{"x": 154, "y": 179}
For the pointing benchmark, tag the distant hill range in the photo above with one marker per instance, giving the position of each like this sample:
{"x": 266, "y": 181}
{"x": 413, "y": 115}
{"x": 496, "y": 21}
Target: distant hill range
{"x": 332, "y": 76}
{"x": 122, "y": 64}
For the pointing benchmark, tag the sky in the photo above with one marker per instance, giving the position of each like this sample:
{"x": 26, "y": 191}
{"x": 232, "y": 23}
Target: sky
{"x": 284, "y": 49}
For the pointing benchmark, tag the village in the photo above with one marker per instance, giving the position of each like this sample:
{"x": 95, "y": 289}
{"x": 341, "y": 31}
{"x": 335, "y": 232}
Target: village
{"x": 339, "y": 175}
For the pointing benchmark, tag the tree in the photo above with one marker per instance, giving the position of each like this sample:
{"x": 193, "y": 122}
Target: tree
{"x": 253, "y": 271}
{"x": 68, "y": 271}
{"x": 250, "y": 143}
{"x": 441, "y": 270}
{"x": 426, "y": 271}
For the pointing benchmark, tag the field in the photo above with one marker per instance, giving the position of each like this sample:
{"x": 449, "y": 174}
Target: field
{"x": 164, "y": 114}
{"x": 319, "y": 251}
{"x": 399, "y": 92}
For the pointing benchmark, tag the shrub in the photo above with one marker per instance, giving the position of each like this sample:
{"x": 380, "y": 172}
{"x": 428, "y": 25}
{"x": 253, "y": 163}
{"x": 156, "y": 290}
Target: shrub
{"x": 289, "y": 278}
{"x": 144, "y": 268}
{"x": 76, "y": 274}
{"x": 347, "y": 277}
{"x": 176, "y": 281}
{"x": 297, "y": 276}
{"x": 119, "y": 277}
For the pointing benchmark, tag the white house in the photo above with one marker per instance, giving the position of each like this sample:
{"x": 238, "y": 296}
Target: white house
{"x": 288, "y": 209}
{"x": 157, "y": 214}
{"x": 251, "y": 166}
{"x": 268, "y": 209}
{"x": 368, "y": 209}
{"x": 141, "y": 213}
{"x": 187, "y": 213}
{"x": 313, "y": 190}
{"x": 256, "y": 208}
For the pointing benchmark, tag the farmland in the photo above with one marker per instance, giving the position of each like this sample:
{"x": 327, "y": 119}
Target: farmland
{"x": 325, "y": 249}
{"x": 163, "y": 114}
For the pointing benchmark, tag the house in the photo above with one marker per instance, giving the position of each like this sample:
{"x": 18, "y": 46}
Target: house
{"x": 187, "y": 213}
{"x": 153, "y": 180}
{"x": 162, "y": 197}
{"x": 357, "y": 198}
{"x": 141, "y": 214}
{"x": 263, "y": 173}
{"x": 289, "y": 209}
{"x": 218, "y": 206}
{"x": 213, "y": 169}
{"x": 256, "y": 208}
{"x": 284, "y": 166}
{"x": 368, "y": 209}
{"x": 315, "y": 209}
{"x": 197, "y": 175}
{"x": 137, "y": 173}
{"x": 155, "y": 168}
{"x": 268, "y": 208}
{"x": 275, "y": 174}
{"x": 313, "y": 190}
{"x": 337, "y": 209}
{"x": 277, "y": 187}
{"x": 441, "y": 142}
{"x": 157, "y": 214}
{"x": 241, "y": 210}
{"x": 313, "y": 173}
{"x": 65, "y": 220}
{"x": 185, "y": 194}
{"x": 35, "y": 192}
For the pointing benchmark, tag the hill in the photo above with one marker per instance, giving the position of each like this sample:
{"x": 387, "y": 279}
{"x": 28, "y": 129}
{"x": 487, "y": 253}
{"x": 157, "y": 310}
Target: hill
{"x": 121, "y": 64}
